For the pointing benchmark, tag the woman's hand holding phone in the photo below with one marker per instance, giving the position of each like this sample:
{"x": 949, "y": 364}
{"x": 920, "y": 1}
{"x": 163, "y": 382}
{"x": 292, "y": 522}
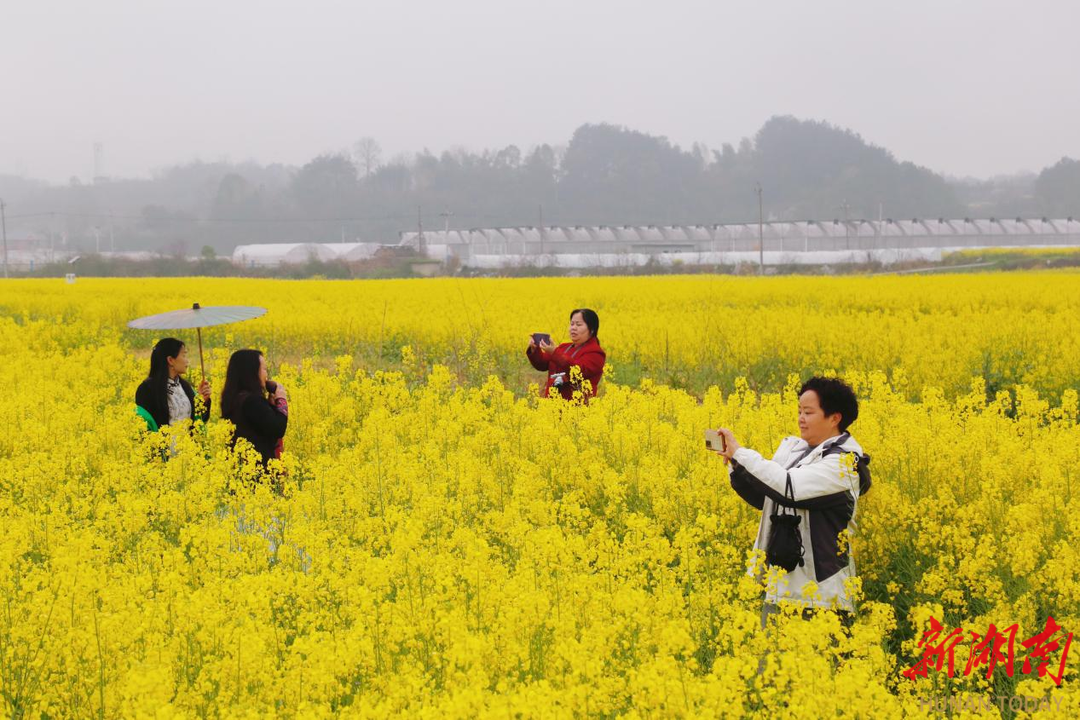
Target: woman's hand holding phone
{"x": 542, "y": 341}
{"x": 276, "y": 390}
{"x": 730, "y": 443}
{"x": 722, "y": 442}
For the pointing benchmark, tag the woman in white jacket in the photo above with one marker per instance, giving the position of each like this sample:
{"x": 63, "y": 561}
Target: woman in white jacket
{"x": 828, "y": 472}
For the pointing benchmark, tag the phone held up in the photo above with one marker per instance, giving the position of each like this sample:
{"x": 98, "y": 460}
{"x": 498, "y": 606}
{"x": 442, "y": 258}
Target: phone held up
{"x": 271, "y": 387}
{"x": 715, "y": 441}
{"x": 540, "y": 338}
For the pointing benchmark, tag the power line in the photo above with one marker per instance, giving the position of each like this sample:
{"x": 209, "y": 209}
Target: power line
{"x": 359, "y": 218}
{"x": 115, "y": 216}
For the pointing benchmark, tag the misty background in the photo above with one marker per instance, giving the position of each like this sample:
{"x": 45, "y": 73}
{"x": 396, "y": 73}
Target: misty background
{"x": 172, "y": 128}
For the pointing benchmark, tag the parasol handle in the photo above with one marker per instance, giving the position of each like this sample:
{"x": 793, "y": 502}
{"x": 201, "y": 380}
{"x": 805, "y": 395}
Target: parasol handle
{"x": 202, "y": 365}
{"x": 198, "y": 331}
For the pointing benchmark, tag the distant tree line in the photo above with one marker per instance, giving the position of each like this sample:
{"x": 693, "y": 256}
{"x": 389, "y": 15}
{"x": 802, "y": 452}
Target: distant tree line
{"x": 604, "y": 175}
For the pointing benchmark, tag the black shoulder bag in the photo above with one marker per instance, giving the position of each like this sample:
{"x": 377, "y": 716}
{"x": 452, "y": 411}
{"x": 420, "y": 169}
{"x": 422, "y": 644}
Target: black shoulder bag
{"x": 785, "y": 547}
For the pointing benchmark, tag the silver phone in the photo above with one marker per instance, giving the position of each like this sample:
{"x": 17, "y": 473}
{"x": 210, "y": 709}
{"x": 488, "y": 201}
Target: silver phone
{"x": 715, "y": 441}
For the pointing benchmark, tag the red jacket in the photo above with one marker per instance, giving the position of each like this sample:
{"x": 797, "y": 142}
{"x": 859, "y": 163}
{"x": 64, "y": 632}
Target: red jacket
{"x": 589, "y": 356}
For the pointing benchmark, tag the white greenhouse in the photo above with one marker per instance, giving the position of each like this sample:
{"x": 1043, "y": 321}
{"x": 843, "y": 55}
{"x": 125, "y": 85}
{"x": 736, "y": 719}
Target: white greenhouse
{"x": 274, "y": 254}
{"x": 833, "y": 241}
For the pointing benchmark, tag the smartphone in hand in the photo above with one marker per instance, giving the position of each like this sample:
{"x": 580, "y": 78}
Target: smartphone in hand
{"x": 541, "y": 338}
{"x": 271, "y": 387}
{"x": 715, "y": 441}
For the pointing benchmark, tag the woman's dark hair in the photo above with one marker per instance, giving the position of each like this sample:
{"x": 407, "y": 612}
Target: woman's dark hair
{"x": 159, "y": 374}
{"x": 159, "y": 357}
{"x": 242, "y": 376}
{"x": 592, "y": 320}
{"x": 834, "y": 396}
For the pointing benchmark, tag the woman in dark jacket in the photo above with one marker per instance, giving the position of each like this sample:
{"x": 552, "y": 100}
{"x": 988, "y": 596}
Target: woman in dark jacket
{"x": 259, "y": 418}
{"x": 583, "y": 351}
{"x": 165, "y": 394}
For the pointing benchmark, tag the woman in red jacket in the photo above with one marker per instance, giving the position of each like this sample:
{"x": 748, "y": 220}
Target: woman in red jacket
{"x": 583, "y": 351}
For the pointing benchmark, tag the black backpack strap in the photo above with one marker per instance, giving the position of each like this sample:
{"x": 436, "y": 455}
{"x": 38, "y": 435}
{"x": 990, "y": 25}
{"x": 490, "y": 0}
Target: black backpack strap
{"x": 862, "y": 461}
{"x": 834, "y": 447}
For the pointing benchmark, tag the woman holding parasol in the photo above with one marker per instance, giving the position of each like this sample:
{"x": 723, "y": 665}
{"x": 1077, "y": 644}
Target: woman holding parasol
{"x": 166, "y": 396}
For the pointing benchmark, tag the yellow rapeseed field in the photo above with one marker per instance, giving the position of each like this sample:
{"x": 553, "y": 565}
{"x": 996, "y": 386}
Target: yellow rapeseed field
{"x": 448, "y": 544}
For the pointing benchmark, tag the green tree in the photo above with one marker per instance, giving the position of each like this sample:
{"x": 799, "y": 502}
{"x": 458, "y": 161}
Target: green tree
{"x": 1057, "y": 189}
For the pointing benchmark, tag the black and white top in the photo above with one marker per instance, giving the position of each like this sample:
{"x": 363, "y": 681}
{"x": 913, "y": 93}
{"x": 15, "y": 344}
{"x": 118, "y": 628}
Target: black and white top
{"x": 179, "y": 404}
{"x": 827, "y": 489}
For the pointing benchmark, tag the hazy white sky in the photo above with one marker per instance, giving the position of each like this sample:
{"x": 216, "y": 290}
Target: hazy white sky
{"x": 975, "y": 87}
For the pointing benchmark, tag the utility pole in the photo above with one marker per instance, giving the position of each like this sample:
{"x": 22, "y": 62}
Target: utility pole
{"x": 761, "y": 228}
{"x": 880, "y": 215}
{"x": 112, "y": 238}
{"x": 97, "y": 240}
{"x": 446, "y": 215}
{"x": 847, "y": 226}
{"x": 3, "y": 226}
{"x": 420, "y": 244}
{"x": 541, "y": 229}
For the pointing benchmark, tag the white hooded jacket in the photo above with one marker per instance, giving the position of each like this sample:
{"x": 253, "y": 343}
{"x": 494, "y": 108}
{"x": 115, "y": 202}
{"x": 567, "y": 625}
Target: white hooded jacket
{"x": 826, "y": 491}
